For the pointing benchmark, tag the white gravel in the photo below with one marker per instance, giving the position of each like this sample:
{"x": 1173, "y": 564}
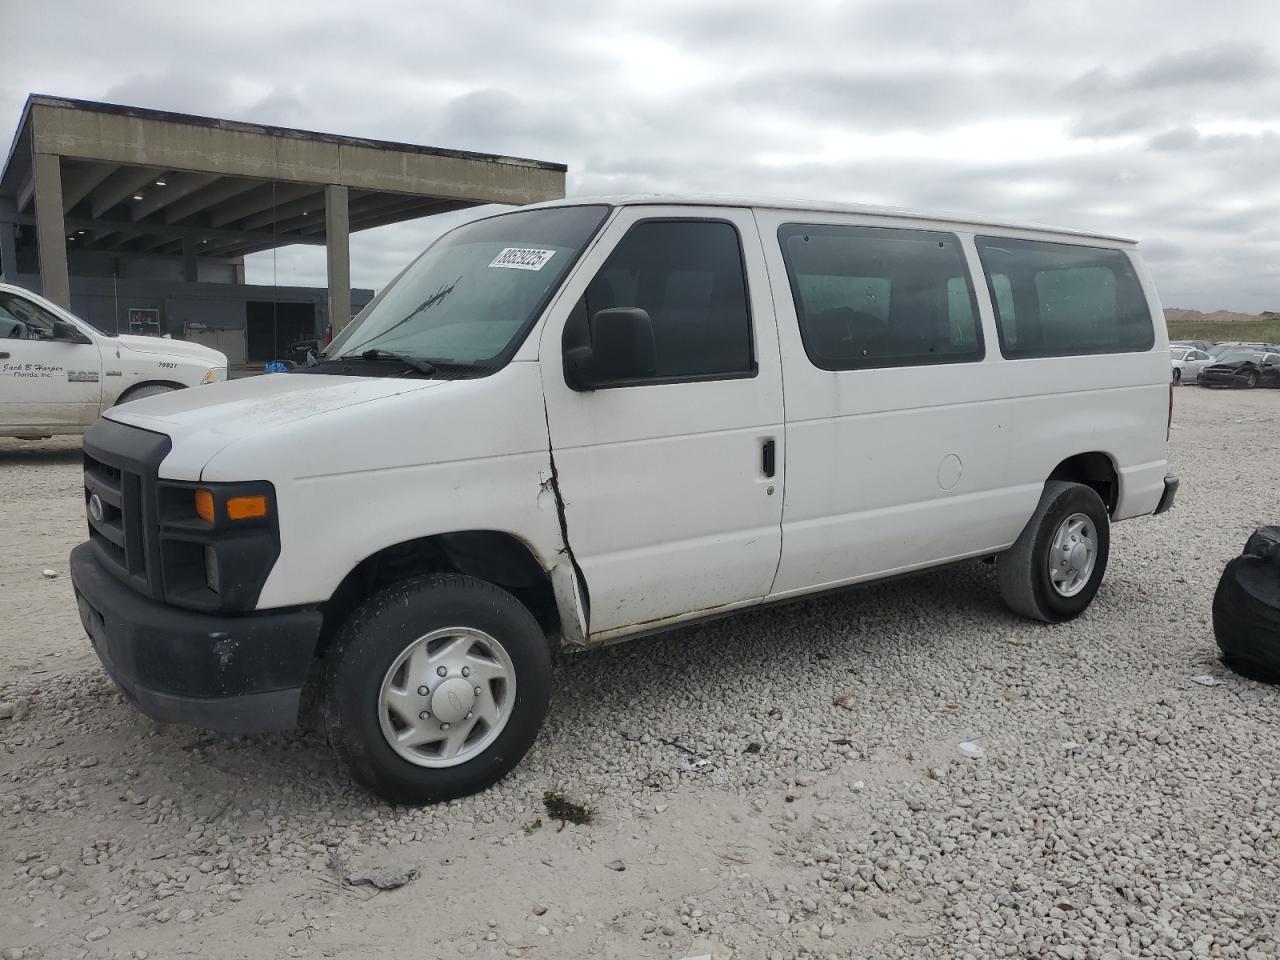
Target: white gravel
{"x": 1118, "y": 809}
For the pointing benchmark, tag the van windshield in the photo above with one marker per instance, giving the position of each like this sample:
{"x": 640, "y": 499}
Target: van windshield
{"x": 471, "y": 297}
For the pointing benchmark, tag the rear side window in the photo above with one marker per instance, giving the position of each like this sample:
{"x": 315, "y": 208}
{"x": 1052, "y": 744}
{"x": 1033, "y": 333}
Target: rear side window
{"x": 688, "y": 276}
{"x": 880, "y": 297}
{"x": 1059, "y": 299}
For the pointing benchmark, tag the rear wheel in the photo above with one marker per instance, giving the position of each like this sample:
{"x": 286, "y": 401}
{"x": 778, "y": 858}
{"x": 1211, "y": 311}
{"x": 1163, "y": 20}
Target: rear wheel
{"x": 435, "y": 688}
{"x": 1054, "y": 569}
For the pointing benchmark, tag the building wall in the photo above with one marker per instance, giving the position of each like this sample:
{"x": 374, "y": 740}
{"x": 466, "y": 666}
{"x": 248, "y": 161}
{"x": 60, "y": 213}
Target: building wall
{"x": 104, "y": 263}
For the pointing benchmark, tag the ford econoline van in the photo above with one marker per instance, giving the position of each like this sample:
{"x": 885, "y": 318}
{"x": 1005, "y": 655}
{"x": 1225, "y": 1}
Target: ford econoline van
{"x": 585, "y": 421}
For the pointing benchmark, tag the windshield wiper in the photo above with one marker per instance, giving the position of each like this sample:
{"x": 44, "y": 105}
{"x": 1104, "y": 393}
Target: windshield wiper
{"x": 425, "y": 367}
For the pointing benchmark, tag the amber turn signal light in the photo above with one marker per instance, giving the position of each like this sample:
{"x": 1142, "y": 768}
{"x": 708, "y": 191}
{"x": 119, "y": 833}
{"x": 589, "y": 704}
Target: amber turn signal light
{"x": 204, "y": 505}
{"x": 246, "y": 508}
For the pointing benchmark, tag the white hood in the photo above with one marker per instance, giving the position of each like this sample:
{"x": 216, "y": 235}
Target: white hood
{"x": 203, "y": 421}
{"x": 182, "y": 349}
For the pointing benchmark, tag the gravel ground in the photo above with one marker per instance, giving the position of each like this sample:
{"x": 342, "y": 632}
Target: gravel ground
{"x": 785, "y": 784}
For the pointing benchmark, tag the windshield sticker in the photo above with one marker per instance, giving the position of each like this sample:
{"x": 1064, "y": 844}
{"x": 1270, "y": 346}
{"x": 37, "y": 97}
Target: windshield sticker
{"x": 522, "y": 258}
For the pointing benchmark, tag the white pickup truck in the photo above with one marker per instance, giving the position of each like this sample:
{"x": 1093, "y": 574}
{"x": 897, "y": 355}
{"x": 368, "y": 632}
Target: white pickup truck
{"x": 58, "y": 373}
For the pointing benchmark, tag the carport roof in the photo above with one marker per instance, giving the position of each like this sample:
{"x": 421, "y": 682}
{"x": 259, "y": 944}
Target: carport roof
{"x": 139, "y": 180}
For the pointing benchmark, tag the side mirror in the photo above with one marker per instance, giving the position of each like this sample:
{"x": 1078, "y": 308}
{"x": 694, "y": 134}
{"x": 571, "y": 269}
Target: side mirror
{"x": 621, "y": 349}
{"x": 67, "y": 333}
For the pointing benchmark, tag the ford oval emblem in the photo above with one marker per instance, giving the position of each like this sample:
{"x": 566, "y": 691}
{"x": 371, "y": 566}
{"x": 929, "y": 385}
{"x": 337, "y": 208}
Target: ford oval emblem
{"x": 96, "y": 512}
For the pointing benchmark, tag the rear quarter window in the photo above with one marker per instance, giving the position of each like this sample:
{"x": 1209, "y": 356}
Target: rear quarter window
{"x": 1059, "y": 299}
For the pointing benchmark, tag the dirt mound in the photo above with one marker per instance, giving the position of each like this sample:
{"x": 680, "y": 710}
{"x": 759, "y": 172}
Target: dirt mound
{"x": 1175, "y": 315}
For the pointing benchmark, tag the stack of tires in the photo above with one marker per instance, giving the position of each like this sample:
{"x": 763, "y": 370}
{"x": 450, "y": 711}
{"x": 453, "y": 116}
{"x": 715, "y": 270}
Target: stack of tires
{"x": 1246, "y": 608}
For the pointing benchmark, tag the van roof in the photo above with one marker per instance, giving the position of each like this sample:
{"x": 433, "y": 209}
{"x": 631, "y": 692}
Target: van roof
{"x": 816, "y": 206}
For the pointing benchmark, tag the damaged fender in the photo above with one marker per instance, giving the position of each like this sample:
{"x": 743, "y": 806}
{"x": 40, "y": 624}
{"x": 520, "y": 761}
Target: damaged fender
{"x": 565, "y": 576}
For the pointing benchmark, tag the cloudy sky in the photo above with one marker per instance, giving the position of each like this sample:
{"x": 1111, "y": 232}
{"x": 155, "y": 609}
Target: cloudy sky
{"x": 1158, "y": 120}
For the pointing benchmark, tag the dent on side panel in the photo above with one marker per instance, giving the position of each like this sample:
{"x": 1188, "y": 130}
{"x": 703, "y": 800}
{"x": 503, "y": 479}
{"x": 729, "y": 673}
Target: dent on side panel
{"x": 566, "y": 575}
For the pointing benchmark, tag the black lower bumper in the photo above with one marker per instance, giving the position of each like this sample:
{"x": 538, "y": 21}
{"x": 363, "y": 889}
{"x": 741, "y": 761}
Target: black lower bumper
{"x": 1170, "y": 491}
{"x": 239, "y": 674}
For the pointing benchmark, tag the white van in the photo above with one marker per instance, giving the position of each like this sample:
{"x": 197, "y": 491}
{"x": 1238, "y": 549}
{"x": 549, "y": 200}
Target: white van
{"x": 586, "y": 421}
{"x": 58, "y": 373}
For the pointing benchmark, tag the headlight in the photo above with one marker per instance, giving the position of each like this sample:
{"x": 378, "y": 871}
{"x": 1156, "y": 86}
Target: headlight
{"x": 214, "y": 375}
{"x": 218, "y": 543}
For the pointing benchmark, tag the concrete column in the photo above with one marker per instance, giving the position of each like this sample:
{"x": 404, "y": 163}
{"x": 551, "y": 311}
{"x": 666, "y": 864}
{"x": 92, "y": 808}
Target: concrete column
{"x": 190, "y": 271}
{"x": 51, "y": 230}
{"x": 337, "y": 245}
{"x": 8, "y": 253}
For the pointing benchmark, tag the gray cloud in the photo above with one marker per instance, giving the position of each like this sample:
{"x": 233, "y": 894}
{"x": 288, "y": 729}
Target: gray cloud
{"x": 1227, "y": 65}
{"x": 1156, "y": 119}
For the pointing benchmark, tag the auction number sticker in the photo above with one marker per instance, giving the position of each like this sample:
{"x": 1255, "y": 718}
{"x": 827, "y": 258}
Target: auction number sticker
{"x": 522, "y": 258}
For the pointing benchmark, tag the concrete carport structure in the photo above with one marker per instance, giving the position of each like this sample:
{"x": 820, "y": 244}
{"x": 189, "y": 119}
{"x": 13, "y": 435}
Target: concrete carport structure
{"x": 95, "y": 179}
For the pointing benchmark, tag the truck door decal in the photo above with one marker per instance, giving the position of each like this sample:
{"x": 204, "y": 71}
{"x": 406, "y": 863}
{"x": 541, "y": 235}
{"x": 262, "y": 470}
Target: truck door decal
{"x": 29, "y": 371}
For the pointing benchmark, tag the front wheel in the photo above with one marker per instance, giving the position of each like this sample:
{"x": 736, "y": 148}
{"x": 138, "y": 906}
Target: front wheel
{"x": 1177, "y": 376}
{"x": 146, "y": 390}
{"x": 1251, "y": 380}
{"x": 1053, "y": 571}
{"x": 435, "y": 688}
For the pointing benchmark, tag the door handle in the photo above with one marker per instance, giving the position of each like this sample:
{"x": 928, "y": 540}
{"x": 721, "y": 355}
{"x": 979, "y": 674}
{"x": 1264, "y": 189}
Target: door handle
{"x": 4, "y": 355}
{"x": 767, "y": 458}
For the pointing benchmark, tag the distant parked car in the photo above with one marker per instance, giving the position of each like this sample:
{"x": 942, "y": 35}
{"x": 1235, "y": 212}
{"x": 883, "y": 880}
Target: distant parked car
{"x": 1196, "y": 344}
{"x": 1244, "y": 368}
{"x": 1187, "y": 363}
{"x": 1219, "y": 350}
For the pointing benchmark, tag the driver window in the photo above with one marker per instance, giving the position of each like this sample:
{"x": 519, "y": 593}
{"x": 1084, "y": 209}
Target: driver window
{"x": 20, "y": 319}
{"x": 688, "y": 276}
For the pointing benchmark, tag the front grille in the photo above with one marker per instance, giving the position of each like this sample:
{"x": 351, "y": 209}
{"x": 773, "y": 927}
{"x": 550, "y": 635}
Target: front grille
{"x": 121, "y": 465}
{"x": 118, "y": 533}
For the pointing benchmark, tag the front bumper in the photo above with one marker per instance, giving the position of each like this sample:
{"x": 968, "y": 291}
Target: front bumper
{"x": 1170, "y": 491}
{"x": 241, "y": 674}
{"x": 1207, "y": 379}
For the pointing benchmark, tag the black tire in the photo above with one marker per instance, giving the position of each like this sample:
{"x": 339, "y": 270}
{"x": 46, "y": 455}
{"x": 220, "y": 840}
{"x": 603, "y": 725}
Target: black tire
{"x": 146, "y": 390}
{"x": 378, "y": 631}
{"x": 1177, "y": 377}
{"x": 1251, "y": 380}
{"x": 1246, "y": 618}
{"x": 1023, "y": 569}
